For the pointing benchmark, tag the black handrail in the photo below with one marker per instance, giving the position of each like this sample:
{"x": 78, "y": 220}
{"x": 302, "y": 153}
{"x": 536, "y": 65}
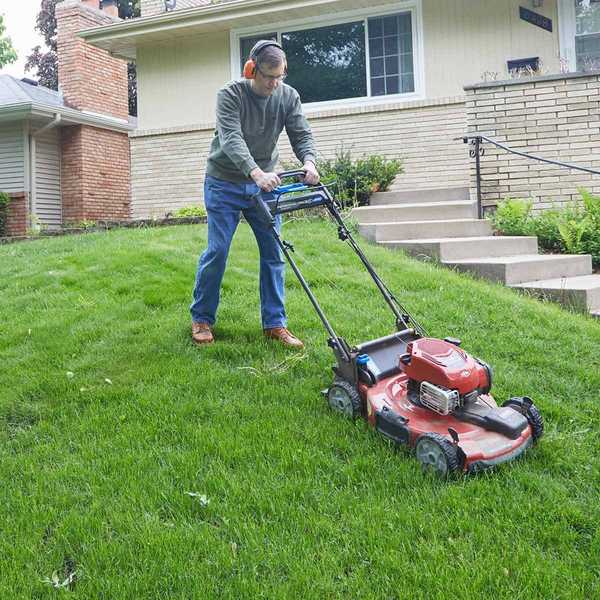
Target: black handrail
{"x": 477, "y": 152}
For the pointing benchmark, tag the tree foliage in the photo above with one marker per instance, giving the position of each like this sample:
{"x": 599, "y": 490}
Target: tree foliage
{"x": 7, "y": 52}
{"x": 46, "y": 63}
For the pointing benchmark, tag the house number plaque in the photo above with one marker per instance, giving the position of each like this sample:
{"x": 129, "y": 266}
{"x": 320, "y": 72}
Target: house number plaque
{"x": 535, "y": 18}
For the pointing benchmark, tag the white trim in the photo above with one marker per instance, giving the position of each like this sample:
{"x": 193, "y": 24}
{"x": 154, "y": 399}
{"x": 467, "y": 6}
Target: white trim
{"x": 413, "y": 6}
{"x": 566, "y": 32}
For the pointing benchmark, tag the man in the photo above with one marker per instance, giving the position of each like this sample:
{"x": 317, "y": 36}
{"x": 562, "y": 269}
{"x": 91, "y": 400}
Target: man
{"x": 251, "y": 114}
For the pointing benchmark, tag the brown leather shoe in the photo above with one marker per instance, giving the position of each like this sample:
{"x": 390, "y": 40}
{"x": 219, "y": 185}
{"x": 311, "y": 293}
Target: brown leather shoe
{"x": 202, "y": 334}
{"x": 285, "y": 336}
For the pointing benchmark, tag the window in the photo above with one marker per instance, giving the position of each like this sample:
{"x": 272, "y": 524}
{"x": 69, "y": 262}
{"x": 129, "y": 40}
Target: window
{"x": 360, "y": 58}
{"x": 587, "y": 34}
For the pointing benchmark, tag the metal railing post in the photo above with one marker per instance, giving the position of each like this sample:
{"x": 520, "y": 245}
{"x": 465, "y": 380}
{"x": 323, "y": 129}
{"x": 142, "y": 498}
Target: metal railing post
{"x": 477, "y": 142}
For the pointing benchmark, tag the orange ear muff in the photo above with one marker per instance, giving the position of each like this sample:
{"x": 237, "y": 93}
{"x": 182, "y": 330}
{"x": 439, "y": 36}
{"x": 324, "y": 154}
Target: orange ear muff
{"x": 250, "y": 69}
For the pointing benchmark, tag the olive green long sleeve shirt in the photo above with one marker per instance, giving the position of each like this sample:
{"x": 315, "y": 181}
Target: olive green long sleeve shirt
{"x": 248, "y": 128}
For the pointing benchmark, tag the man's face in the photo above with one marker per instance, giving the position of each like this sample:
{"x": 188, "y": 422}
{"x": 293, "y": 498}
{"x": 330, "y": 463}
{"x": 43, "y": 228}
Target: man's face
{"x": 268, "y": 79}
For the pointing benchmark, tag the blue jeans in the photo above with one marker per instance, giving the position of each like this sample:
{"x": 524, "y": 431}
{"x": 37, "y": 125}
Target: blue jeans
{"x": 225, "y": 202}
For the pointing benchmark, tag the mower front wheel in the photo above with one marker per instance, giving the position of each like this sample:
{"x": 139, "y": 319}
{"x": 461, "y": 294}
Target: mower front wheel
{"x": 344, "y": 398}
{"x": 437, "y": 454}
{"x": 529, "y": 410}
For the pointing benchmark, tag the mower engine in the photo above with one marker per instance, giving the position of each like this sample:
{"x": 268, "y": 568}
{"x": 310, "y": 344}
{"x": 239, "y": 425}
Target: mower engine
{"x": 444, "y": 376}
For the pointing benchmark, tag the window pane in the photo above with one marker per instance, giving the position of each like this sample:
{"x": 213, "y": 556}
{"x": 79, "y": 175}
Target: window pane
{"x": 377, "y": 86}
{"x": 391, "y": 65}
{"x": 587, "y": 40}
{"x": 408, "y": 83}
{"x": 390, "y": 45}
{"x": 390, "y": 26}
{"x": 587, "y": 13}
{"x": 396, "y": 47}
{"x": 588, "y": 52}
{"x": 376, "y": 47}
{"x": 375, "y": 28}
{"x": 392, "y": 85}
{"x": 377, "y": 67}
{"x": 327, "y": 63}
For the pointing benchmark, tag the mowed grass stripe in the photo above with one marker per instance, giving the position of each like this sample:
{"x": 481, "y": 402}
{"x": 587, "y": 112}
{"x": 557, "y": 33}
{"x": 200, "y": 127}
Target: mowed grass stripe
{"x": 110, "y": 418}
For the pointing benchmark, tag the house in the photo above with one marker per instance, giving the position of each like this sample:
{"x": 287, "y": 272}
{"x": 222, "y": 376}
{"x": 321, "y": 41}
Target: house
{"x": 383, "y": 76}
{"x": 65, "y": 156}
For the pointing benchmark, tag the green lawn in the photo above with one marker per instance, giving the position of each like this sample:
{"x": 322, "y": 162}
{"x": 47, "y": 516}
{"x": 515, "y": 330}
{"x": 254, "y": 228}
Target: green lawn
{"x": 154, "y": 469}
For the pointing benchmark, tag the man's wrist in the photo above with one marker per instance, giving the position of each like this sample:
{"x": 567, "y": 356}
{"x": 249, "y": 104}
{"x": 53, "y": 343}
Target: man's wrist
{"x": 256, "y": 173}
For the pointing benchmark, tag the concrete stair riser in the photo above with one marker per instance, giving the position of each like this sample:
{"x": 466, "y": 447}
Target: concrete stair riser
{"x": 582, "y": 293}
{"x": 415, "y": 212}
{"x": 380, "y": 232}
{"x": 459, "y": 248}
{"x": 420, "y": 196}
{"x": 519, "y": 269}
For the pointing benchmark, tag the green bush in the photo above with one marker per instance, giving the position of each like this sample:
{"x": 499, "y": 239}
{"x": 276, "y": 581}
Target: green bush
{"x": 197, "y": 210}
{"x": 4, "y": 201}
{"x": 357, "y": 179}
{"x": 574, "y": 229}
{"x": 512, "y": 217}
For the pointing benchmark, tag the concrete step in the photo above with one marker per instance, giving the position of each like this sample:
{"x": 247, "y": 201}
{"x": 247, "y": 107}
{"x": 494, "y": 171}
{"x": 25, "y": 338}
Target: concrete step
{"x": 413, "y": 230}
{"x": 420, "y": 196}
{"x": 425, "y": 211}
{"x": 471, "y": 247}
{"x": 581, "y": 292}
{"x": 527, "y": 267}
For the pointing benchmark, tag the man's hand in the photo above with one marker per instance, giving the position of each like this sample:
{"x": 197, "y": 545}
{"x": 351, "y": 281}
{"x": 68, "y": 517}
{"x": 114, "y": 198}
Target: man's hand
{"x": 265, "y": 181}
{"x": 311, "y": 176}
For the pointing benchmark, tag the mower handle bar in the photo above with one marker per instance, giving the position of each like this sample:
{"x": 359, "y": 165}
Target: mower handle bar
{"x": 294, "y": 173}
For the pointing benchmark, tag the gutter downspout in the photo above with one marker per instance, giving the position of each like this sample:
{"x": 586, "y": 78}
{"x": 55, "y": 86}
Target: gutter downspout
{"x": 32, "y": 169}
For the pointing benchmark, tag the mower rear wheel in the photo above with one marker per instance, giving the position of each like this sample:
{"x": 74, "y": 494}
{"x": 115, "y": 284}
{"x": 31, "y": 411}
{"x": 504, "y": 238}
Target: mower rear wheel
{"x": 344, "y": 398}
{"x": 437, "y": 454}
{"x": 533, "y": 416}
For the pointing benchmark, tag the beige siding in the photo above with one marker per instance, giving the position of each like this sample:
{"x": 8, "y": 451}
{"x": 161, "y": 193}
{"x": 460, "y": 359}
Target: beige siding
{"x": 12, "y": 157}
{"x": 168, "y": 168}
{"x": 463, "y": 39}
{"x": 177, "y": 82}
{"x": 46, "y": 196}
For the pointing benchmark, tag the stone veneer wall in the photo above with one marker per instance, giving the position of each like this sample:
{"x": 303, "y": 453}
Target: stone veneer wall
{"x": 554, "y": 117}
{"x": 17, "y": 216}
{"x": 168, "y": 165}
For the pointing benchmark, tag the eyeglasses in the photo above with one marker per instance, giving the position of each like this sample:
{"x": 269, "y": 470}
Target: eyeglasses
{"x": 277, "y": 78}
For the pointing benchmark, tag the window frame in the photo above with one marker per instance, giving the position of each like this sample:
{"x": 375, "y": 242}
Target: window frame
{"x": 403, "y": 6}
{"x": 567, "y": 32}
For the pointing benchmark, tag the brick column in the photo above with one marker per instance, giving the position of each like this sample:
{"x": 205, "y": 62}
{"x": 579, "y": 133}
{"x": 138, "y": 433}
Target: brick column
{"x": 95, "y": 166}
{"x": 89, "y": 78}
{"x": 18, "y": 209}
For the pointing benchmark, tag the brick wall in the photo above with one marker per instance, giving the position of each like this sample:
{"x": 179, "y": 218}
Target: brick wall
{"x": 553, "y": 117}
{"x": 17, "y": 215}
{"x": 89, "y": 78}
{"x": 168, "y": 166}
{"x": 95, "y": 174}
{"x": 95, "y": 168}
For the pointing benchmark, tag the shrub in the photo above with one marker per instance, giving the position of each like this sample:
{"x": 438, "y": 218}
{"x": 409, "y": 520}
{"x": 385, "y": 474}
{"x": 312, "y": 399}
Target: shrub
{"x": 512, "y": 217}
{"x": 357, "y": 179}
{"x": 4, "y": 201}
{"x": 196, "y": 210}
{"x": 574, "y": 229}
{"x": 545, "y": 227}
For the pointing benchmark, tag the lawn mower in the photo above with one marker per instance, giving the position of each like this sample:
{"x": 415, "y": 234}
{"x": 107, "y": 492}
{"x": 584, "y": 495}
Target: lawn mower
{"x": 416, "y": 390}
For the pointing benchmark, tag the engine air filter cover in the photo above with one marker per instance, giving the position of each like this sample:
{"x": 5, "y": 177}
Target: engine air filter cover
{"x": 445, "y": 365}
